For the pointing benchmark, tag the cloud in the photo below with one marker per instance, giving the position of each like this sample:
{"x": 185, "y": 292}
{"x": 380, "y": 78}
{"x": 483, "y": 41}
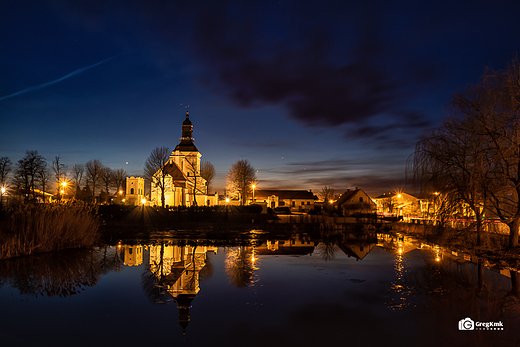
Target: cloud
{"x": 322, "y": 78}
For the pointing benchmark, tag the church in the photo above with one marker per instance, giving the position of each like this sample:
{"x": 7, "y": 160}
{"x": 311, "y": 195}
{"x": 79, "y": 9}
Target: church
{"x": 184, "y": 185}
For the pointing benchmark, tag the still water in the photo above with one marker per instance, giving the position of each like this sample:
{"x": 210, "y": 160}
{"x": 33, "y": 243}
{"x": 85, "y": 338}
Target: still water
{"x": 297, "y": 290}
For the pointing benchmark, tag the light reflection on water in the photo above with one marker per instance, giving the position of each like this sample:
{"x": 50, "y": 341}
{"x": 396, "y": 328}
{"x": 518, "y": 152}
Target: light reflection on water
{"x": 301, "y": 289}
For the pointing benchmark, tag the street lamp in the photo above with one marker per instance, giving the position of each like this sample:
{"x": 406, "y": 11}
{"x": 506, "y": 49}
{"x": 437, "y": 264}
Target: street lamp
{"x": 254, "y": 186}
{"x": 62, "y": 191}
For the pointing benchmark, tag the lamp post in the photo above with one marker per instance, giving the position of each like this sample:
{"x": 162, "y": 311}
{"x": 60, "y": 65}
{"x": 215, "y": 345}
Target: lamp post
{"x": 254, "y": 186}
{"x": 2, "y": 191}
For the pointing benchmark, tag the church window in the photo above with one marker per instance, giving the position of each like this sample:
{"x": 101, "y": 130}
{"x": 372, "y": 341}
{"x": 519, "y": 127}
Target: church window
{"x": 132, "y": 191}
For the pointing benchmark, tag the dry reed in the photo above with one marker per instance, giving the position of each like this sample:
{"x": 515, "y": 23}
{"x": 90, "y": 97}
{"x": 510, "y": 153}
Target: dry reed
{"x": 31, "y": 229}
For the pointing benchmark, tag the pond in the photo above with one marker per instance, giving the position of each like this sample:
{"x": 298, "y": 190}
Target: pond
{"x": 301, "y": 289}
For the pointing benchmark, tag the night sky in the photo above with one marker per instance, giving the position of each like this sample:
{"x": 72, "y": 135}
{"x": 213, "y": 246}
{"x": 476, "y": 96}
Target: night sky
{"x": 312, "y": 93}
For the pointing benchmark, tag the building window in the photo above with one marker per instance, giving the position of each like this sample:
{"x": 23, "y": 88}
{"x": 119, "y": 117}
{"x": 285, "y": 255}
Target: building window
{"x": 361, "y": 199}
{"x": 308, "y": 202}
{"x": 303, "y": 203}
{"x": 293, "y": 203}
{"x": 132, "y": 191}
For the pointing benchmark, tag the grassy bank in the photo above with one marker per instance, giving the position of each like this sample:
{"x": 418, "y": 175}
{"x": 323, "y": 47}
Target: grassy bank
{"x": 31, "y": 229}
{"x": 493, "y": 247}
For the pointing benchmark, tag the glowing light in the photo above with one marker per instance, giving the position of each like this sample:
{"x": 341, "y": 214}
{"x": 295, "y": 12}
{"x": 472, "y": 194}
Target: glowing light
{"x": 399, "y": 196}
{"x": 120, "y": 192}
{"x": 227, "y": 200}
{"x": 143, "y": 201}
{"x": 400, "y": 250}
{"x": 437, "y": 259}
{"x": 62, "y": 191}
{"x": 331, "y": 201}
{"x": 3, "y": 190}
{"x": 64, "y": 184}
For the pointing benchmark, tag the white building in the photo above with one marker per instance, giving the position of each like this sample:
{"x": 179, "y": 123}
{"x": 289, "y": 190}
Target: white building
{"x": 184, "y": 185}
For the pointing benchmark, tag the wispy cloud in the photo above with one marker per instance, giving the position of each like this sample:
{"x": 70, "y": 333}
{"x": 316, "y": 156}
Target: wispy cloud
{"x": 46, "y": 84}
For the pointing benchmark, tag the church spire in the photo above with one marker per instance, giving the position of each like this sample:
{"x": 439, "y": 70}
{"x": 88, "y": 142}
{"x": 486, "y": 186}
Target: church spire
{"x": 186, "y": 141}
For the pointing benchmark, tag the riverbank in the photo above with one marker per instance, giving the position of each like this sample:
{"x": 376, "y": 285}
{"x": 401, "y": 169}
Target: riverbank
{"x": 492, "y": 250}
{"x": 41, "y": 228}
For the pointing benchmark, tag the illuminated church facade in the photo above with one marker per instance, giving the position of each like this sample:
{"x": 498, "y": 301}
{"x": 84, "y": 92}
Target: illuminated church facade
{"x": 184, "y": 185}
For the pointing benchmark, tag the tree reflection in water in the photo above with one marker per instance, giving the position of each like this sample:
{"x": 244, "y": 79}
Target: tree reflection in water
{"x": 240, "y": 266}
{"x": 59, "y": 274}
{"x": 455, "y": 291}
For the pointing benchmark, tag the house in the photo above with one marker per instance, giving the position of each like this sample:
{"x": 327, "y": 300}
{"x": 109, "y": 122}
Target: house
{"x": 184, "y": 186}
{"x": 355, "y": 201}
{"x": 397, "y": 204}
{"x": 295, "y": 200}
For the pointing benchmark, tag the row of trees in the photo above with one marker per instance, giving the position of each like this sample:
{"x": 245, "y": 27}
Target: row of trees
{"x": 32, "y": 173}
{"x": 474, "y": 155}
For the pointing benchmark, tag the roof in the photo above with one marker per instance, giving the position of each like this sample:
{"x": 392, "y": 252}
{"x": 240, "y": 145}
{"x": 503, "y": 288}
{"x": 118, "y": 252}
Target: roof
{"x": 284, "y": 194}
{"x": 349, "y": 194}
{"x": 390, "y": 195}
{"x": 186, "y": 146}
{"x": 173, "y": 170}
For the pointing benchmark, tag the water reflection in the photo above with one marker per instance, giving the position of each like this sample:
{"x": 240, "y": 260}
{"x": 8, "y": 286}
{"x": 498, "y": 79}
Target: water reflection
{"x": 59, "y": 274}
{"x": 455, "y": 292}
{"x": 367, "y": 278}
{"x": 173, "y": 273}
{"x": 240, "y": 266}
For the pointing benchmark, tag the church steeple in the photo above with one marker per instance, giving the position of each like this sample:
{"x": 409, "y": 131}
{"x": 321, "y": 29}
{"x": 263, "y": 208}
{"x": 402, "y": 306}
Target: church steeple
{"x": 187, "y": 128}
{"x": 186, "y": 141}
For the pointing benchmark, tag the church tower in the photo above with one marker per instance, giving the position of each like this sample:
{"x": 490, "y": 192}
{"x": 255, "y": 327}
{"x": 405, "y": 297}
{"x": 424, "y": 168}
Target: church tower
{"x": 186, "y": 155}
{"x": 183, "y": 185}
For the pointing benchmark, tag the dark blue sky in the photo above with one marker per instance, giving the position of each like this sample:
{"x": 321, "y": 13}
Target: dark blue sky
{"x": 312, "y": 93}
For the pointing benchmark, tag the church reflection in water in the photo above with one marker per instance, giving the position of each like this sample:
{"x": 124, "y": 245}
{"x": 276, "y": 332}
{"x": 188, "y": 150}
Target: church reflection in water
{"x": 173, "y": 272}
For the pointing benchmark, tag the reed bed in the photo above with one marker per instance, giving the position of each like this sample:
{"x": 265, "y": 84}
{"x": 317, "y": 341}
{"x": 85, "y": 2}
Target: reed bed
{"x": 31, "y": 229}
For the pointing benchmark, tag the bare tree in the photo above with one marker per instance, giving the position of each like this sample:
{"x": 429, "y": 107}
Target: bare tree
{"x": 27, "y": 170}
{"x": 453, "y": 162}
{"x": 78, "y": 170}
{"x": 119, "y": 177}
{"x": 240, "y": 177}
{"x": 106, "y": 177}
{"x": 475, "y": 154}
{"x": 326, "y": 194}
{"x": 193, "y": 174}
{"x": 155, "y": 169}
{"x": 5, "y": 169}
{"x": 93, "y": 170}
{"x": 207, "y": 171}
{"x": 44, "y": 177}
{"x": 59, "y": 173}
